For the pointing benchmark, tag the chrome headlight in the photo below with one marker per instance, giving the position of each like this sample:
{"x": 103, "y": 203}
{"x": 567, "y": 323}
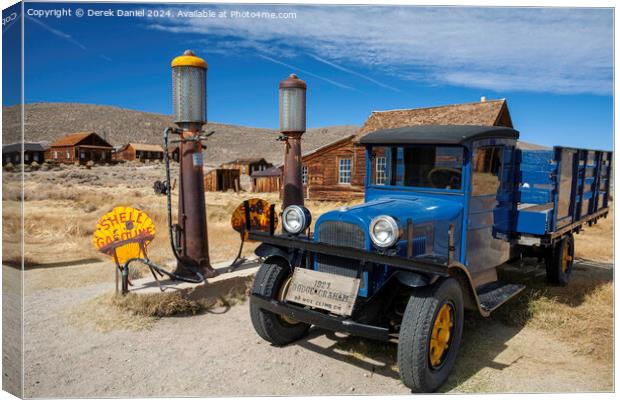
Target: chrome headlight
{"x": 384, "y": 231}
{"x": 296, "y": 219}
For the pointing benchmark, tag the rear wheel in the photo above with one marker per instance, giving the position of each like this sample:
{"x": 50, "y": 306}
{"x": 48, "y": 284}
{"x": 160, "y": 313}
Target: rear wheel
{"x": 272, "y": 281}
{"x": 430, "y": 335}
{"x": 559, "y": 261}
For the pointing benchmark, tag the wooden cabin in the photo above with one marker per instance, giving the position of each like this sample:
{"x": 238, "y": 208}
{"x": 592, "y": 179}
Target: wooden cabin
{"x": 247, "y": 166}
{"x": 12, "y": 153}
{"x": 222, "y": 180}
{"x": 174, "y": 152}
{"x": 80, "y": 148}
{"x": 267, "y": 181}
{"x": 337, "y": 170}
{"x": 140, "y": 152}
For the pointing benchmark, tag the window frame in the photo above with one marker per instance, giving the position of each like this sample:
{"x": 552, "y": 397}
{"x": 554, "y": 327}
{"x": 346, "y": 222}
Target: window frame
{"x": 382, "y": 171}
{"x": 304, "y": 174}
{"x": 388, "y": 171}
{"x": 340, "y": 170}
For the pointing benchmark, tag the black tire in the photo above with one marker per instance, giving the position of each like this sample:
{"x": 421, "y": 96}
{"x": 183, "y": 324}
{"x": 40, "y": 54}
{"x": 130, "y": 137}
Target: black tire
{"x": 272, "y": 327}
{"x": 559, "y": 261}
{"x": 414, "y": 358}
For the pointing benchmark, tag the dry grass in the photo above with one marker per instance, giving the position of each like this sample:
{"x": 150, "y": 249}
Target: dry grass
{"x": 157, "y": 304}
{"x": 62, "y": 208}
{"x": 135, "y": 312}
{"x": 581, "y": 314}
{"x": 597, "y": 241}
{"x": 101, "y": 314}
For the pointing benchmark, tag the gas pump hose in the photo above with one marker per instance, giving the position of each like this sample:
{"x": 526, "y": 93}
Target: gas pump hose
{"x": 154, "y": 267}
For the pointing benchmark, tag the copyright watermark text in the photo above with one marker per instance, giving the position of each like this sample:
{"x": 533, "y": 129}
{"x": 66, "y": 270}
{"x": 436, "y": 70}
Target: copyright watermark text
{"x": 157, "y": 13}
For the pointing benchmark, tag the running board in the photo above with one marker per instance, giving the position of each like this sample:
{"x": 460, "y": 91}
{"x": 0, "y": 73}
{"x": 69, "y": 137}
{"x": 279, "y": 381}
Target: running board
{"x": 495, "y": 294}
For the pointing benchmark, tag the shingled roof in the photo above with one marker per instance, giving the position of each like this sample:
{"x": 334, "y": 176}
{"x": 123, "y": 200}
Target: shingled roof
{"x": 488, "y": 113}
{"x": 144, "y": 147}
{"x": 73, "y": 139}
{"x": 271, "y": 171}
{"x": 28, "y": 146}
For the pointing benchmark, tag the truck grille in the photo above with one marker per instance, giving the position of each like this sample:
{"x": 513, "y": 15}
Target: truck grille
{"x": 344, "y": 234}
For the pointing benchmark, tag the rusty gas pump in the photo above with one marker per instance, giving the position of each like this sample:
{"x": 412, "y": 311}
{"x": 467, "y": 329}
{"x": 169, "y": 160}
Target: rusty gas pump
{"x": 292, "y": 127}
{"x": 189, "y": 82}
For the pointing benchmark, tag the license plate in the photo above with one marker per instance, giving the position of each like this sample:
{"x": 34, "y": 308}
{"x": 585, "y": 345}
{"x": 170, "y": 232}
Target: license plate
{"x": 329, "y": 292}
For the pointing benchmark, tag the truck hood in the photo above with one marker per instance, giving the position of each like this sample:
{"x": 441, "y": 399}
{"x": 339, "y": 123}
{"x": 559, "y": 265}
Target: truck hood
{"x": 419, "y": 209}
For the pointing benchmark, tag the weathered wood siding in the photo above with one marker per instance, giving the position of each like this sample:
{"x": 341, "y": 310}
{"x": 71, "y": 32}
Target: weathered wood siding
{"x": 222, "y": 180}
{"x": 129, "y": 153}
{"x": 65, "y": 154}
{"x": 246, "y": 168}
{"x": 266, "y": 184}
{"x": 323, "y": 173}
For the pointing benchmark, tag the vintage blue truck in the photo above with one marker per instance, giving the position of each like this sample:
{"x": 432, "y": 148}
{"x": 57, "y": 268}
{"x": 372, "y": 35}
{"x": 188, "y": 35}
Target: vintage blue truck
{"x": 445, "y": 205}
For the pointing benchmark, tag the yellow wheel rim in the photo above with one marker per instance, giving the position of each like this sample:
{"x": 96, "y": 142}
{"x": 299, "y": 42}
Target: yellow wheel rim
{"x": 440, "y": 335}
{"x": 567, "y": 258}
{"x": 282, "y": 296}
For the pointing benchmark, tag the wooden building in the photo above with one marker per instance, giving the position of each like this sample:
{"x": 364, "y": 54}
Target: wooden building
{"x": 139, "y": 152}
{"x": 173, "y": 152}
{"x": 337, "y": 171}
{"x": 222, "y": 180}
{"x": 267, "y": 180}
{"x": 12, "y": 153}
{"x": 79, "y": 148}
{"x": 247, "y": 166}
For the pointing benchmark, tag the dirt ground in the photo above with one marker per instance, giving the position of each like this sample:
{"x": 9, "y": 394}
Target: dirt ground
{"x": 217, "y": 353}
{"x": 548, "y": 340}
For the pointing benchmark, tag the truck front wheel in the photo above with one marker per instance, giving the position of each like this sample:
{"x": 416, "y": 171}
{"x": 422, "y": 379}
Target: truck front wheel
{"x": 559, "y": 261}
{"x": 430, "y": 335}
{"x": 272, "y": 281}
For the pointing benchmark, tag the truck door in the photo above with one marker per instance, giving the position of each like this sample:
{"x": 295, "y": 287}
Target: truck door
{"x": 489, "y": 217}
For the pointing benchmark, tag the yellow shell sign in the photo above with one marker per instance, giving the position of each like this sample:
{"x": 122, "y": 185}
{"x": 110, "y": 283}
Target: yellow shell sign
{"x": 124, "y": 233}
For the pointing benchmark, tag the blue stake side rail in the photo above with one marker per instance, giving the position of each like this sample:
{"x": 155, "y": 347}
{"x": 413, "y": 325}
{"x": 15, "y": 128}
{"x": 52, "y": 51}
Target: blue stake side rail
{"x": 559, "y": 190}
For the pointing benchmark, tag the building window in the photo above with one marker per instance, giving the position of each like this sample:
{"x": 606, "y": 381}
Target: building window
{"x": 26, "y": 157}
{"x": 380, "y": 170}
{"x": 82, "y": 154}
{"x": 55, "y": 155}
{"x": 344, "y": 170}
{"x": 68, "y": 155}
{"x": 36, "y": 157}
{"x": 304, "y": 174}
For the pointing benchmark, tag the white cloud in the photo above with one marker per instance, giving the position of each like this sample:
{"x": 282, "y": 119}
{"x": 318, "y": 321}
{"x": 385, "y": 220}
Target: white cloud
{"x": 338, "y": 84}
{"x": 555, "y": 50}
{"x": 349, "y": 71}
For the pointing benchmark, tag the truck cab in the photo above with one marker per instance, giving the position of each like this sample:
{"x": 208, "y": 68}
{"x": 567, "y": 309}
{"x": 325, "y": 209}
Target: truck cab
{"x": 444, "y": 206}
{"x": 440, "y": 181}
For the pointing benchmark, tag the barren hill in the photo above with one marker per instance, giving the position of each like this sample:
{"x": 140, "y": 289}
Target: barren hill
{"x": 48, "y": 121}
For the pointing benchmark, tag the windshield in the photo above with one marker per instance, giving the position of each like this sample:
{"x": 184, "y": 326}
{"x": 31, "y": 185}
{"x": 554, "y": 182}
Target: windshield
{"x": 423, "y": 166}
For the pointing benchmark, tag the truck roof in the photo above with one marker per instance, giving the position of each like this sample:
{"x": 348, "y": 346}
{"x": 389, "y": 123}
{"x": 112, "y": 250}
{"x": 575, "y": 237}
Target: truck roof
{"x": 438, "y": 134}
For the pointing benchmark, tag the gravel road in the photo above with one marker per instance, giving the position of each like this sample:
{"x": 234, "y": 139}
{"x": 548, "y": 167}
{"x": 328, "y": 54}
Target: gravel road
{"x": 218, "y": 354}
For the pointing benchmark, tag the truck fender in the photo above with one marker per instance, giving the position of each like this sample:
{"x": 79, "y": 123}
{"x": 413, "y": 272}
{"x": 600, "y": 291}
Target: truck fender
{"x": 470, "y": 297}
{"x": 269, "y": 252}
{"x": 415, "y": 280}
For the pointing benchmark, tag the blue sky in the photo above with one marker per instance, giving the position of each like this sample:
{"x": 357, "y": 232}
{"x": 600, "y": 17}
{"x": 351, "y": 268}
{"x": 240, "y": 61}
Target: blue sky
{"x": 554, "y": 66}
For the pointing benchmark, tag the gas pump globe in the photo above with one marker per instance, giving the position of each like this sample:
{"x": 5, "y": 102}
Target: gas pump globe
{"x": 292, "y": 105}
{"x": 189, "y": 91}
